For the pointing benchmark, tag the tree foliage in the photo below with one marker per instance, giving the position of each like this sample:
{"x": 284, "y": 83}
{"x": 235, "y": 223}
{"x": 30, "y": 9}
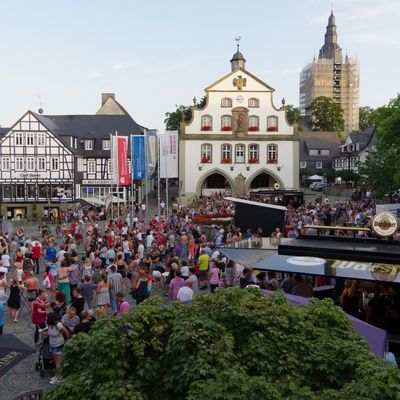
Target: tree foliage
{"x": 382, "y": 167}
{"x": 348, "y": 175}
{"x": 326, "y": 115}
{"x": 293, "y": 115}
{"x": 367, "y": 117}
{"x": 236, "y": 344}
{"x": 172, "y": 119}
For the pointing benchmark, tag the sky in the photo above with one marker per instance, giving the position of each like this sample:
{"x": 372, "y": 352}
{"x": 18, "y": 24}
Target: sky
{"x": 156, "y": 54}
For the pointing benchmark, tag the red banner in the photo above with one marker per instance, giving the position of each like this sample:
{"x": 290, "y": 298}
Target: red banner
{"x": 124, "y": 176}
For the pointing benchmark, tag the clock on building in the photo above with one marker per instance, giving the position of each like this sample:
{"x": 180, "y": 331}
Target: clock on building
{"x": 239, "y": 99}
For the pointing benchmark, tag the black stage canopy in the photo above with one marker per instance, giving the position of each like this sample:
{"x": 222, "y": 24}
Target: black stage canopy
{"x": 12, "y": 351}
{"x": 254, "y": 215}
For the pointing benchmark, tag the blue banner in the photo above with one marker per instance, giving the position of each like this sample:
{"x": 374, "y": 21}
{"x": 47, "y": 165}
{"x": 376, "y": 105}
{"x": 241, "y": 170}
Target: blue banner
{"x": 138, "y": 157}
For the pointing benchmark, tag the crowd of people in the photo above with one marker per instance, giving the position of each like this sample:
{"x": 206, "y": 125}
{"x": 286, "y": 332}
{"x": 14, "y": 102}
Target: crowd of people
{"x": 70, "y": 275}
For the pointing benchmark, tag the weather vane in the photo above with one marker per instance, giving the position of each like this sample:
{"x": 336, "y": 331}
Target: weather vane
{"x": 332, "y": 4}
{"x": 237, "y": 40}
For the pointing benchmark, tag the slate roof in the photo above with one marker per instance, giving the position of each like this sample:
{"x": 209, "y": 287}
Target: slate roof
{"x": 3, "y": 131}
{"x": 95, "y": 127}
{"x": 365, "y": 140}
{"x": 318, "y": 141}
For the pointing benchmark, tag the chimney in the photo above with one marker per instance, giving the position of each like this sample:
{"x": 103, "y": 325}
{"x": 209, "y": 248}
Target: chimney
{"x": 105, "y": 96}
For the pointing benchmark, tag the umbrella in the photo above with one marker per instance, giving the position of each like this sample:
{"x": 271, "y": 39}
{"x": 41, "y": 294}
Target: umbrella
{"x": 312, "y": 177}
{"x": 12, "y": 351}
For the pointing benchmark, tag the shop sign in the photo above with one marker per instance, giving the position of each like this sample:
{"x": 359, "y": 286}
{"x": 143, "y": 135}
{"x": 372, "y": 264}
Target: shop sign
{"x": 96, "y": 182}
{"x": 31, "y": 175}
{"x": 385, "y": 224}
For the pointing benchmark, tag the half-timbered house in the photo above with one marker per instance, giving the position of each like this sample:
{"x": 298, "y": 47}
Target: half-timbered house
{"x": 51, "y": 161}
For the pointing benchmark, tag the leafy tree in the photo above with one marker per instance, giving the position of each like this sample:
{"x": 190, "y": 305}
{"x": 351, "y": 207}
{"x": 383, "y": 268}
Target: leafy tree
{"x": 173, "y": 119}
{"x": 382, "y": 167}
{"x": 304, "y": 174}
{"x": 236, "y": 344}
{"x": 330, "y": 175}
{"x": 326, "y": 115}
{"x": 348, "y": 175}
{"x": 293, "y": 116}
{"x": 367, "y": 116}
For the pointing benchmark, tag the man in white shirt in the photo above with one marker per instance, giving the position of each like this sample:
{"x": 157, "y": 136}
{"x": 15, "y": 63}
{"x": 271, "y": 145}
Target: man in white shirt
{"x": 185, "y": 293}
{"x": 149, "y": 240}
{"x": 140, "y": 249}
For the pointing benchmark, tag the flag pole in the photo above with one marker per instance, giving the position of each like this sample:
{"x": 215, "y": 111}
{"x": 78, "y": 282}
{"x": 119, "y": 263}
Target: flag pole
{"x": 116, "y": 138}
{"x": 166, "y": 175}
{"x": 131, "y": 172}
{"x": 112, "y": 174}
{"x": 146, "y": 143}
{"x": 158, "y": 173}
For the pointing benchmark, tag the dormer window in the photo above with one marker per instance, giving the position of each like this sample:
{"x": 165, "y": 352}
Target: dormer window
{"x": 226, "y": 102}
{"x": 253, "y": 102}
{"x": 106, "y": 145}
{"x": 88, "y": 144}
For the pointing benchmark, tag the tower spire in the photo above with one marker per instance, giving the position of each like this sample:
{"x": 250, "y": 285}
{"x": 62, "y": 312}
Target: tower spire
{"x": 331, "y": 49}
{"x": 238, "y": 61}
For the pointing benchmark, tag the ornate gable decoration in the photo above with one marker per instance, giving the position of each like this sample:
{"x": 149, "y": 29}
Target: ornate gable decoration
{"x": 239, "y": 82}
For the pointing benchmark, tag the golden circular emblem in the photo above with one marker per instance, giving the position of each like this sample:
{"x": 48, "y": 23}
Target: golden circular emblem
{"x": 385, "y": 224}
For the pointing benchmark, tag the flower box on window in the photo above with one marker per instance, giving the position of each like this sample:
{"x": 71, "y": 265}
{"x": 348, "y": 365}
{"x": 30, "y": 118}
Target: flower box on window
{"x": 226, "y": 160}
{"x": 206, "y": 128}
{"x": 205, "y": 160}
{"x": 226, "y": 128}
{"x": 254, "y": 129}
{"x": 272, "y": 161}
{"x": 253, "y": 161}
{"x": 272, "y": 129}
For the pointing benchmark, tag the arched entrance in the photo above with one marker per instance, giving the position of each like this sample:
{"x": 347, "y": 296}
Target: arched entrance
{"x": 215, "y": 182}
{"x": 262, "y": 180}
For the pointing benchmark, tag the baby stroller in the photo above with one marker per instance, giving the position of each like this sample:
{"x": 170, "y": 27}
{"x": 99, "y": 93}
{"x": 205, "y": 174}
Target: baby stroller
{"x": 45, "y": 361}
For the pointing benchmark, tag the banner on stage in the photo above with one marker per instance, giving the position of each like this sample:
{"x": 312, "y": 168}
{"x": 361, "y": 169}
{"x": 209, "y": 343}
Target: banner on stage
{"x": 169, "y": 154}
{"x": 119, "y": 161}
{"x": 138, "y": 157}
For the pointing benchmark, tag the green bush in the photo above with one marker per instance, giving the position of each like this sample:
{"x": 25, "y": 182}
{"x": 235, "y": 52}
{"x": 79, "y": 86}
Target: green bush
{"x": 236, "y": 344}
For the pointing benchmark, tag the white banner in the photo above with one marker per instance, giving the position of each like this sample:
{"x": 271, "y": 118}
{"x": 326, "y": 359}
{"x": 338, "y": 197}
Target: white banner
{"x": 114, "y": 160}
{"x": 169, "y": 154}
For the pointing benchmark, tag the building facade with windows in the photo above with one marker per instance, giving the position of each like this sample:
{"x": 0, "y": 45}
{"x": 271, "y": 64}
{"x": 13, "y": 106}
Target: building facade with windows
{"x": 354, "y": 150}
{"x": 237, "y": 140}
{"x": 318, "y": 151}
{"x": 49, "y": 162}
{"x": 334, "y": 76}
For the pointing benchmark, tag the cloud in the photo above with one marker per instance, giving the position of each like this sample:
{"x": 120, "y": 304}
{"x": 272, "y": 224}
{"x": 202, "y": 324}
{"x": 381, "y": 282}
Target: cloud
{"x": 119, "y": 65}
{"x": 95, "y": 74}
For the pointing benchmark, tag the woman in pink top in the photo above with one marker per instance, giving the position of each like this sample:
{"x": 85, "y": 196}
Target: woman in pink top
{"x": 214, "y": 276}
{"x": 175, "y": 285}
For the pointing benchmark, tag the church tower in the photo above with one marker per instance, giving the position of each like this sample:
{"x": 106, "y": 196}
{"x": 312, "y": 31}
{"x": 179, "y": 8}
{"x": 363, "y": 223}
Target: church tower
{"x": 332, "y": 77}
{"x": 238, "y": 60}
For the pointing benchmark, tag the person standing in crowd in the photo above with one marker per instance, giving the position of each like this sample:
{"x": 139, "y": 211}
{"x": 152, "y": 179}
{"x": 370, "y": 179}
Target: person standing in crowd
{"x": 114, "y": 279}
{"x": 36, "y": 251}
{"x": 185, "y": 293}
{"x": 14, "y": 300}
{"x": 57, "y": 336}
{"x": 102, "y": 293}
{"x": 122, "y": 304}
{"x": 214, "y": 276}
{"x": 87, "y": 289}
{"x": 203, "y": 261}
{"x": 39, "y": 313}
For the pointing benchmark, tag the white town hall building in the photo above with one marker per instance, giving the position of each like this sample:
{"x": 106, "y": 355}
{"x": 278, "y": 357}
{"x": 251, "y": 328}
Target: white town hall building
{"x": 237, "y": 140}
